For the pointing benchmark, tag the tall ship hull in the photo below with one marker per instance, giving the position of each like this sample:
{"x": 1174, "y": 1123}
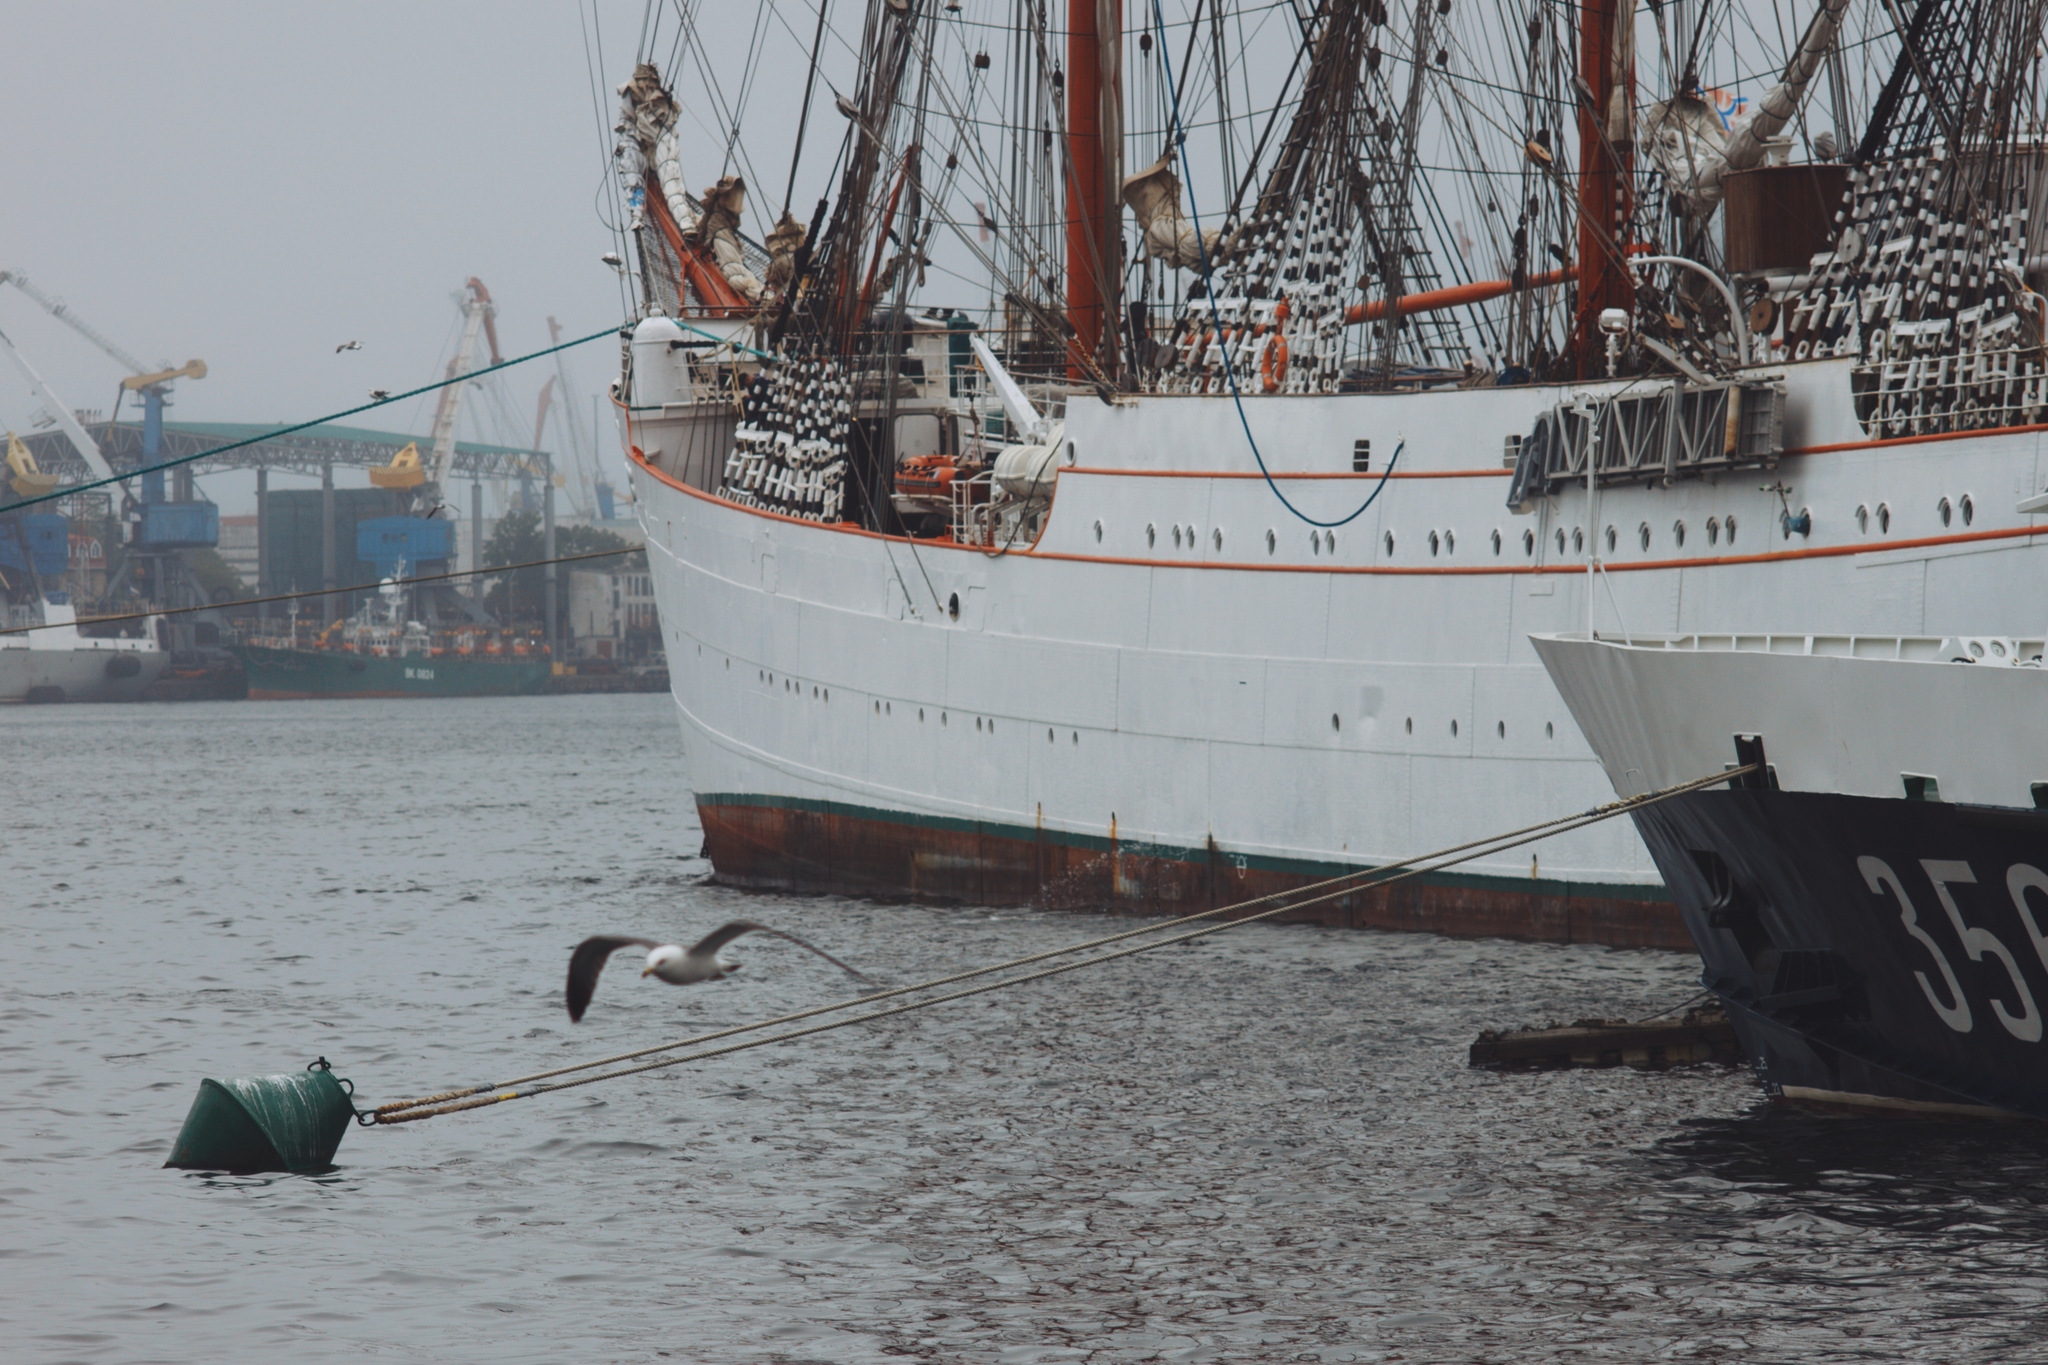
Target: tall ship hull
{"x": 1173, "y": 695}
{"x": 1870, "y": 908}
{"x": 1198, "y": 557}
{"x": 305, "y": 674}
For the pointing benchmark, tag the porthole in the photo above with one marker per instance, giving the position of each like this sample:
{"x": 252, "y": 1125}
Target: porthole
{"x": 1678, "y": 534}
{"x": 1388, "y": 540}
{"x": 1048, "y": 735}
{"x": 1454, "y": 729}
{"x": 1560, "y": 540}
{"x": 814, "y": 691}
{"x": 1643, "y": 535}
{"x": 991, "y": 727}
{"x": 1578, "y": 541}
{"x": 942, "y": 718}
{"x": 1315, "y": 542}
{"x": 1500, "y": 729}
{"x": 1549, "y": 732}
{"x": 1969, "y": 509}
{"x": 878, "y": 708}
{"x": 1450, "y": 542}
{"x": 1862, "y": 517}
{"x": 977, "y": 725}
{"x": 1335, "y": 724}
{"x": 1713, "y": 530}
{"x": 953, "y": 606}
{"x": 1151, "y": 535}
{"x": 1529, "y": 544}
{"x": 1496, "y": 540}
{"x": 888, "y": 708}
{"x": 1216, "y": 539}
{"x": 1272, "y": 541}
{"x": 1731, "y": 528}
{"x": 1434, "y": 544}
{"x": 1330, "y": 541}
{"x": 1411, "y": 725}
{"x": 1612, "y": 540}
{"x": 1176, "y": 536}
{"x": 1944, "y": 511}
{"x": 920, "y": 715}
{"x": 728, "y": 665}
{"x": 1077, "y": 737}
{"x": 828, "y": 696}
{"x": 1884, "y": 518}
{"x": 1098, "y": 533}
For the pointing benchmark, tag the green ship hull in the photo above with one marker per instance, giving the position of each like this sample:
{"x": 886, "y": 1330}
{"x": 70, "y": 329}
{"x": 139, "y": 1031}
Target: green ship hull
{"x": 298, "y": 674}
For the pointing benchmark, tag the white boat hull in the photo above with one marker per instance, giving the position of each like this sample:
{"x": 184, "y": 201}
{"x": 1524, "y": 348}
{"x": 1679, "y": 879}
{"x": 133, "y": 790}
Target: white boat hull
{"x": 1158, "y": 704}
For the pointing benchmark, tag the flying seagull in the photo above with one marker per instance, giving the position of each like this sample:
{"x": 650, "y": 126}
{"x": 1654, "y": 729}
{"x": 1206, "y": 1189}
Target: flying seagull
{"x": 379, "y": 395}
{"x": 670, "y": 962}
{"x": 348, "y": 346}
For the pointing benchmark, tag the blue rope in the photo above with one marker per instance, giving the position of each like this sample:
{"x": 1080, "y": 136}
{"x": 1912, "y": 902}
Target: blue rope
{"x": 1180, "y": 143}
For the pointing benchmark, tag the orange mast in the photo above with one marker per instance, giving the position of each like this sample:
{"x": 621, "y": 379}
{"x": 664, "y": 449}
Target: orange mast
{"x": 1094, "y": 142}
{"x": 1606, "y": 173}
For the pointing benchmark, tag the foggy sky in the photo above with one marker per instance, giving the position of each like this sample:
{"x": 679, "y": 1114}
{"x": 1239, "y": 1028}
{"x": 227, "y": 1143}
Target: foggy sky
{"x": 255, "y": 184}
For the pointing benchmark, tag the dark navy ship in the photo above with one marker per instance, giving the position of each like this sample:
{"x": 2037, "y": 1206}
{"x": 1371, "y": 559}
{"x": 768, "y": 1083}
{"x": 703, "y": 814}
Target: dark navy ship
{"x": 1870, "y": 902}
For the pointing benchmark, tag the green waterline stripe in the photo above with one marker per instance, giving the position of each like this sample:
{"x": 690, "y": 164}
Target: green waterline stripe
{"x": 1097, "y": 843}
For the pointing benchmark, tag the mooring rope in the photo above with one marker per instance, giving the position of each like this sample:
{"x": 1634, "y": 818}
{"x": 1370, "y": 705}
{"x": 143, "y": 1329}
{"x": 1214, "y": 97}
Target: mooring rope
{"x": 477, "y": 1097}
{"x": 1346, "y": 880}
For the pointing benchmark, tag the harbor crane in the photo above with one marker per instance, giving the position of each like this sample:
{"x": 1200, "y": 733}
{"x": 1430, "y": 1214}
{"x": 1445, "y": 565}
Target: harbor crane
{"x": 157, "y": 526}
{"x": 478, "y": 314}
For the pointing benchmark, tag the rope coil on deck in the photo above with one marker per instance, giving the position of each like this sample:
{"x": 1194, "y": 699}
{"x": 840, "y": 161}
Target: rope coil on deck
{"x": 524, "y": 1087}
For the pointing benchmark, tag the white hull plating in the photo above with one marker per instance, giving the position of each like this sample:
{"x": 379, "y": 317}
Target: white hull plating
{"x": 1178, "y": 660}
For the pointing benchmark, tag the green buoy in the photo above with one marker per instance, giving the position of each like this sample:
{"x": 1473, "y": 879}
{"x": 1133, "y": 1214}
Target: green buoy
{"x": 288, "y": 1123}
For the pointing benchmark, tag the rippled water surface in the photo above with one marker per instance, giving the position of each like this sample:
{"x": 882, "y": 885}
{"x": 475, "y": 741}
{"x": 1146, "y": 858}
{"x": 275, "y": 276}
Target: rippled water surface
{"x": 1267, "y": 1147}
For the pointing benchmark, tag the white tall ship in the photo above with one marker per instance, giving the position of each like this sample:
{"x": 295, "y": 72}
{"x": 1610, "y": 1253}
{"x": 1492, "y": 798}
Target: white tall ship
{"x": 1237, "y": 590}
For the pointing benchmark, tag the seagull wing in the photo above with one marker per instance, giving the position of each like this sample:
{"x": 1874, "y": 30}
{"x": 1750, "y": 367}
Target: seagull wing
{"x": 726, "y": 933}
{"x": 587, "y": 961}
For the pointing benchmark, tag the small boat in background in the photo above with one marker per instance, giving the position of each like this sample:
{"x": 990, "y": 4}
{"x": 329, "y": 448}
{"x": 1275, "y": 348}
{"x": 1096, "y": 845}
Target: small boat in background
{"x": 53, "y": 662}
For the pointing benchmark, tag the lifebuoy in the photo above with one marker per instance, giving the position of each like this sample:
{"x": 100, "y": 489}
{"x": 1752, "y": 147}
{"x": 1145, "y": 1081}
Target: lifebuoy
{"x": 1273, "y": 363}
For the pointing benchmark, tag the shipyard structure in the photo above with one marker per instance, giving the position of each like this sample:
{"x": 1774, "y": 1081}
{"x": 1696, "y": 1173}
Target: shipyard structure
{"x": 135, "y": 588}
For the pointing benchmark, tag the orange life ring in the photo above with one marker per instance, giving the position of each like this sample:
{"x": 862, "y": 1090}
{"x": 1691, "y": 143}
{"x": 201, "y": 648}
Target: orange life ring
{"x": 1273, "y": 363}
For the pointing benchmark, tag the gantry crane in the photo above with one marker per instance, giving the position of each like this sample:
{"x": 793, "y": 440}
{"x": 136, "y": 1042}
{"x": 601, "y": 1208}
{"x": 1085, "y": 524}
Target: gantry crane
{"x": 157, "y": 526}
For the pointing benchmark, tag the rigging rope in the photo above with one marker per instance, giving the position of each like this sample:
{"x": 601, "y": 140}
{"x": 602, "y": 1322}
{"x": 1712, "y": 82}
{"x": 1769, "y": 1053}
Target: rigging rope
{"x": 464, "y": 378}
{"x": 476, "y": 1097}
{"x": 1180, "y": 144}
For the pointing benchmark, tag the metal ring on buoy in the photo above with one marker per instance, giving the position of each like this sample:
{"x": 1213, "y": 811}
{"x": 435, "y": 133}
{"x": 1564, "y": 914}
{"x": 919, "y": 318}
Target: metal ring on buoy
{"x": 1273, "y": 363}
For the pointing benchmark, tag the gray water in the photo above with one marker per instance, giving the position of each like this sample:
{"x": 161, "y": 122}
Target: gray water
{"x": 1265, "y": 1148}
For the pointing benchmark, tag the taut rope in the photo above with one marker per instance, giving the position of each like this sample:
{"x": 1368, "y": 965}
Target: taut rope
{"x": 477, "y": 1097}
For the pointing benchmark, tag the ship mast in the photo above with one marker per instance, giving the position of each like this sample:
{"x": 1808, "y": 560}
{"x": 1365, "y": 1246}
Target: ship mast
{"x": 1607, "y": 170}
{"x": 1094, "y": 144}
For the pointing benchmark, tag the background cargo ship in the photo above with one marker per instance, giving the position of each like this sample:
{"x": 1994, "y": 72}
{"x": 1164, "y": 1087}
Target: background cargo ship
{"x": 293, "y": 674}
